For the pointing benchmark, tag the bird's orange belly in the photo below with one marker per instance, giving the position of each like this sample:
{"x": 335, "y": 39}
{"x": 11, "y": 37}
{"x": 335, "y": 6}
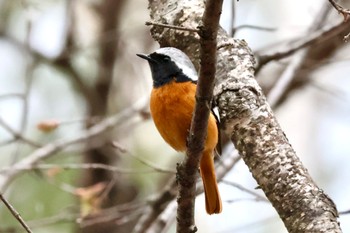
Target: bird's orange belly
{"x": 171, "y": 108}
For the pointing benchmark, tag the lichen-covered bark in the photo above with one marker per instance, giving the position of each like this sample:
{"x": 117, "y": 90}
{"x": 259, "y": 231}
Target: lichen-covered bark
{"x": 264, "y": 147}
{"x": 247, "y": 118}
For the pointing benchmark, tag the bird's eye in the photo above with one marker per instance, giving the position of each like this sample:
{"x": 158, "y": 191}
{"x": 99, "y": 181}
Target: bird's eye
{"x": 166, "y": 58}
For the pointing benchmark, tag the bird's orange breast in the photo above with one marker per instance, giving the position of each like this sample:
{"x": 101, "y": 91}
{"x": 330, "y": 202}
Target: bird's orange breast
{"x": 171, "y": 107}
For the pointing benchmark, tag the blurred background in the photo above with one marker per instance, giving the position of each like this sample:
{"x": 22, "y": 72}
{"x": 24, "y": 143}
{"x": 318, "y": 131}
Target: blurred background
{"x": 66, "y": 65}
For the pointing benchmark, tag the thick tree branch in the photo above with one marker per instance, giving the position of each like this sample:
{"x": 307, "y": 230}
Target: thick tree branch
{"x": 265, "y": 149}
{"x": 248, "y": 120}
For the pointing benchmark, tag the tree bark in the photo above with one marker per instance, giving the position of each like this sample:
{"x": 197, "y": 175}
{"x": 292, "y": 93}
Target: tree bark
{"x": 248, "y": 119}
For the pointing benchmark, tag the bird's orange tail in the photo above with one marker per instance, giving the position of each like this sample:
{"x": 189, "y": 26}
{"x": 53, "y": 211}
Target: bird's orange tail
{"x": 212, "y": 196}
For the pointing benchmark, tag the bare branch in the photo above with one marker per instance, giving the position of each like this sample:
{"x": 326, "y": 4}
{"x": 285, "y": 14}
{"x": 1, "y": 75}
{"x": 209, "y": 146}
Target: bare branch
{"x": 115, "y": 217}
{"x": 165, "y": 219}
{"x": 8, "y": 141}
{"x": 11, "y": 95}
{"x": 119, "y": 214}
{"x": 18, "y": 135}
{"x": 286, "y": 78}
{"x": 344, "y": 212}
{"x": 149, "y": 23}
{"x": 296, "y": 62}
{"x": 187, "y": 170}
{"x": 156, "y": 206}
{"x": 62, "y": 216}
{"x": 255, "y": 27}
{"x": 345, "y": 12}
{"x": 310, "y": 39}
{"x": 28, "y": 86}
{"x": 61, "y": 64}
{"x": 150, "y": 216}
{"x": 240, "y": 187}
{"x": 84, "y": 166}
{"x": 15, "y": 213}
{"x": 52, "y": 148}
{"x": 143, "y": 161}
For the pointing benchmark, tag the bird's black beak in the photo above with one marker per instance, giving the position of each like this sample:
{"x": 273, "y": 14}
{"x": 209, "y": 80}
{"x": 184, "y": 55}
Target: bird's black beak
{"x": 144, "y": 56}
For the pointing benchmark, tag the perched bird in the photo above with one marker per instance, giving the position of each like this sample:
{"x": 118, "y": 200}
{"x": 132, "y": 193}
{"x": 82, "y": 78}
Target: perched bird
{"x": 172, "y": 103}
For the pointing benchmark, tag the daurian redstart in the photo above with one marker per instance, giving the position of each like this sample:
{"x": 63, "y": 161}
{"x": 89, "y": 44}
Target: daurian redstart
{"x": 172, "y": 104}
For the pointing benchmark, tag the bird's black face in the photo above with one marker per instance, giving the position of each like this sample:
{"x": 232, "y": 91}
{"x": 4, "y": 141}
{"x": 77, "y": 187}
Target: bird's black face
{"x": 163, "y": 69}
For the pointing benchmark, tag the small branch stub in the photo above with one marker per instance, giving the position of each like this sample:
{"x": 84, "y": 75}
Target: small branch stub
{"x": 149, "y": 23}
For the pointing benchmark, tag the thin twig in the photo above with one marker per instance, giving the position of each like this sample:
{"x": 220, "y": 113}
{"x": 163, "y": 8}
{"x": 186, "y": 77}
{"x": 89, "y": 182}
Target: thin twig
{"x": 251, "y": 199}
{"x": 28, "y": 85}
{"x": 54, "y": 147}
{"x": 11, "y": 95}
{"x": 18, "y": 135}
{"x": 160, "y": 204}
{"x": 62, "y": 217}
{"x": 62, "y": 64}
{"x": 244, "y": 26}
{"x": 8, "y": 141}
{"x": 233, "y": 19}
{"x": 69, "y": 214}
{"x": 165, "y": 220}
{"x": 345, "y": 12}
{"x": 119, "y": 214}
{"x": 344, "y": 212}
{"x": 117, "y": 218}
{"x": 15, "y": 213}
{"x": 83, "y": 166}
{"x": 109, "y": 187}
{"x": 286, "y": 78}
{"x": 244, "y": 189}
{"x": 295, "y": 64}
{"x": 141, "y": 160}
{"x": 309, "y": 39}
{"x": 149, "y": 23}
